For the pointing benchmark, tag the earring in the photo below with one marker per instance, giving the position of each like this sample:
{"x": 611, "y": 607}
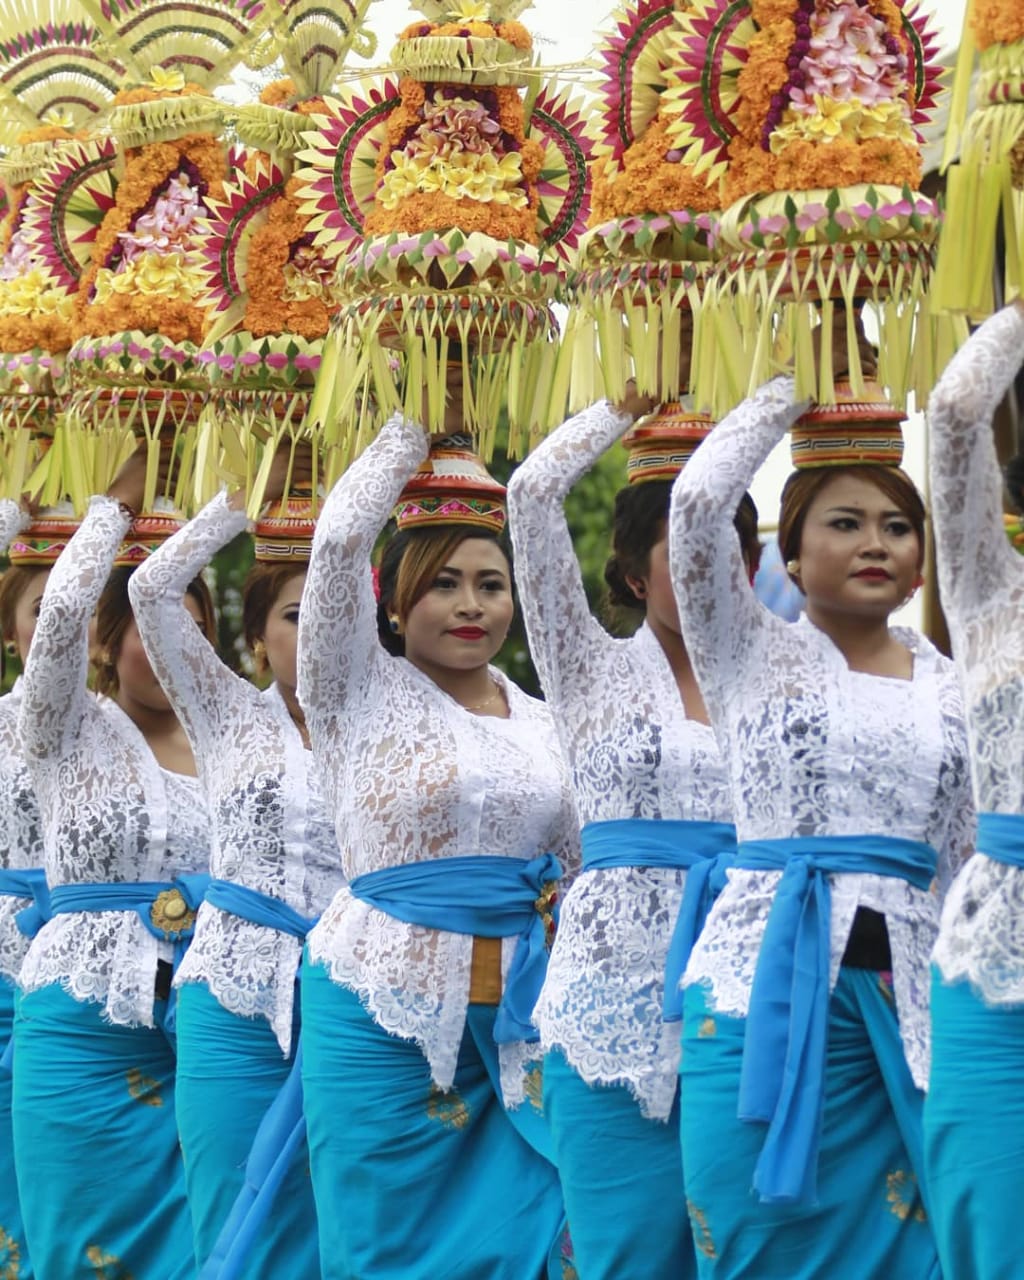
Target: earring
{"x": 11, "y": 649}
{"x": 393, "y": 624}
{"x": 259, "y": 656}
{"x": 793, "y": 568}
{"x": 106, "y": 659}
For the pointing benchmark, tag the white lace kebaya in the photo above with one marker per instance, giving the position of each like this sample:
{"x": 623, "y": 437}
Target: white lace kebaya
{"x": 633, "y": 754}
{"x": 982, "y": 582}
{"x": 813, "y": 748}
{"x": 110, "y": 813}
{"x": 271, "y": 831}
{"x": 21, "y": 841}
{"x": 411, "y": 775}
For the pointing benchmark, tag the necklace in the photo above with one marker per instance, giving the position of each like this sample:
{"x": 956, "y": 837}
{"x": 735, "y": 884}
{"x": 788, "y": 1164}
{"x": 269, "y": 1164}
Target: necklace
{"x": 479, "y": 706}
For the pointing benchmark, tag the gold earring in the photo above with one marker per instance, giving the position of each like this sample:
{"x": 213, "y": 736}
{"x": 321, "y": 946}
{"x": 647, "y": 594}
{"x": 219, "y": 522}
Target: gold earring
{"x": 793, "y": 568}
{"x": 259, "y": 655}
{"x": 393, "y": 623}
{"x": 11, "y": 649}
{"x": 106, "y": 659}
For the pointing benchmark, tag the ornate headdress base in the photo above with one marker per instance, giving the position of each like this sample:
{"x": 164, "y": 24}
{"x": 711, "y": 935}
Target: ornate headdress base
{"x": 452, "y": 487}
{"x": 284, "y": 531}
{"x": 41, "y": 542}
{"x": 659, "y": 446}
{"x": 858, "y": 430}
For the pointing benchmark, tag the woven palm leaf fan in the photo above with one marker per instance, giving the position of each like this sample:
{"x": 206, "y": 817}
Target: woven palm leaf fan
{"x": 985, "y": 189}
{"x": 58, "y": 174}
{"x": 270, "y": 286}
{"x": 809, "y": 112}
{"x": 449, "y": 202}
{"x": 141, "y": 313}
{"x": 641, "y": 268}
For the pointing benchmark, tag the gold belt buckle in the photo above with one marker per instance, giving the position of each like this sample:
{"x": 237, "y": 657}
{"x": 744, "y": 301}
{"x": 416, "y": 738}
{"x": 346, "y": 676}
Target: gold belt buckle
{"x": 545, "y": 907}
{"x": 485, "y": 972}
{"x": 170, "y": 912}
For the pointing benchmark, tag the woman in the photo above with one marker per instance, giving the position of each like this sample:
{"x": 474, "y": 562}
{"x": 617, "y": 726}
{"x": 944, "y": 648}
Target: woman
{"x": 652, "y": 793}
{"x": 275, "y": 864}
{"x": 974, "y": 1126}
{"x": 20, "y": 853}
{"x": 123, "y": 818}
{"x": 446, "y": 784}
{"x": 805, "y": 1027}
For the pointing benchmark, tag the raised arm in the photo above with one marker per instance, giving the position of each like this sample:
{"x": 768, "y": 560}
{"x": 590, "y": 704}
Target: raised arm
{"x": 559, "y": 624}
{"x": 54, "y": 689}
{"x": 717, "y": 606}
{"x": 974, "y": 555}
{"x": 338, "y": 618}
{"x": 12, "y": 520}
{"x": 200, "y": 687}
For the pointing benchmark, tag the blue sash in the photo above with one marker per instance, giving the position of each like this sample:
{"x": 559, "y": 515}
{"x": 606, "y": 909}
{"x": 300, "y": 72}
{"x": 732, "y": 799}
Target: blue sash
{"x": 701, "y": 849}
{"x": 258, "y": 908}
{"x": 488, "y": 897}
{"x": 27, "y": 882}
{"x": 140, "y": 896}
{"x": 784, "y": 1048}
{"x": 1001, "y": 837}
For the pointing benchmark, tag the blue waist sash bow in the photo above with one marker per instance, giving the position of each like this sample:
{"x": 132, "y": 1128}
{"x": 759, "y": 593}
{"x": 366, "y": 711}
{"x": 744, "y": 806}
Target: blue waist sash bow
{"x": 258, "y": 908}
{"x": 784, "y": 1050}
{"x": 1001, "y": 837}
{"x": 166, "y": 908}
{"x": 702, "y": 849}
{"x": 490, "y": 897}
{"x": 27, "y": 882}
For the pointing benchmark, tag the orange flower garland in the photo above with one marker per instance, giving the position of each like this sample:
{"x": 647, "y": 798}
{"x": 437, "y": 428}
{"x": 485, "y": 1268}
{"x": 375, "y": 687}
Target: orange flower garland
{"x": 146, "y": 171}
{"x": 269, "y": 311}
{"x": 804, "y": 165}
{"x": 997, "y": 22}
{"x": 514, "y": 33}
{"x": 647, "y": 182}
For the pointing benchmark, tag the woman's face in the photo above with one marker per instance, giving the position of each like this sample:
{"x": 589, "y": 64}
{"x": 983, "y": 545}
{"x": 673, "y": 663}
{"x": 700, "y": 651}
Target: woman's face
{"x": 280, "y": 637}
{"x": 462, "y": 620}
{"x": 655, "y": 587}
{"x": 26, "y": 613}
{"x": 859, "y": 553}
{"x": 135, "y": 679}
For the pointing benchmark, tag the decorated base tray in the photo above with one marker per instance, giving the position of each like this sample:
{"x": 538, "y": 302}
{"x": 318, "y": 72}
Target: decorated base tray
{"x": 248, "y": 363}
{"x": 134, "y": 359}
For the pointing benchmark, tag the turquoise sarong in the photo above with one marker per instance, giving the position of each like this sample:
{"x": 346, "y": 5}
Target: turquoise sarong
{"x": 230, "y": 1072}
{"x": 868, "y": 1221}
{"x": 413, "y": 1183}
{"x": 974, "y": 1112}
{"x": 14, "y": 1259}
{"x": 782, "y": 1084}
{"x": 622, "y": 1176}
{"x": 96, "y": 1144}
{"x": 702, "y": 849}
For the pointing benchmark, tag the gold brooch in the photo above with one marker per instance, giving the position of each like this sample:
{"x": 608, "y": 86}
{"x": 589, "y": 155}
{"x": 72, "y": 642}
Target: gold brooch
{"x": 170, "y": 912}
{"x": 545, "y": 907}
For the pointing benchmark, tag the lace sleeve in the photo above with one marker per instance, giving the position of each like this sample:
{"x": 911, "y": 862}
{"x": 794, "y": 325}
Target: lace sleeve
{"x": 200, "y": 687}
{"x": 338, "y": 618}
{"x": 556, "y": 611}
{"x": 12, "y": 521}
{"x": 974, "y": 555}
{"x": 717, "y": 606}
{"x": 53, "y": 687}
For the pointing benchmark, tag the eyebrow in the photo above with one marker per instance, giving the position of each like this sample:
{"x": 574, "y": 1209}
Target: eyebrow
{"x": 480, "y": 573}
{"x": 859, "y": 511}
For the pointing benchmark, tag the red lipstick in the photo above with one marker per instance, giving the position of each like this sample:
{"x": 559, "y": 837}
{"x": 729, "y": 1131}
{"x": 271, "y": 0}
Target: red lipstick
{"x": 879, "y": 575}
{"x": 468, "y": 633}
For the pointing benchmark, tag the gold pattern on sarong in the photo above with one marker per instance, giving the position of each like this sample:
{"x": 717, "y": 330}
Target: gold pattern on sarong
{"x": 10, "y": 1256}
{"x": 535, "y": 1087}
{"x": 886, "y": 988}
{"x": 702, "y": 1237}
{"x": 143, "y": 1089}
{"x": 707, "y": 1029}
{"x": 903, "y": 1196}
{"x": 545, "y": 908}
{"x": 447, "y": 1107}
{"x": 171, "y": 914}
{"x": 106, "y": 1266}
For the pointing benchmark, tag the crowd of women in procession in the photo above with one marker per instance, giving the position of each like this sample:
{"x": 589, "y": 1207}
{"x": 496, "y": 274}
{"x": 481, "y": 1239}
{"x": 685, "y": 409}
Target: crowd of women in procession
{"x": 751, "y": 1050}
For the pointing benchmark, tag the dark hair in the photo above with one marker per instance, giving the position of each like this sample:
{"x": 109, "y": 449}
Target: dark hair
{"x": 638, "y": 522}
{"x": 13, "y": 585}
{"x": 1013, "y": 474}
{"x": 114, "y": 612}
{"x": 409, "y": 564}
{"x": 263, "y": 585}
{"x": 803, "y": 487}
